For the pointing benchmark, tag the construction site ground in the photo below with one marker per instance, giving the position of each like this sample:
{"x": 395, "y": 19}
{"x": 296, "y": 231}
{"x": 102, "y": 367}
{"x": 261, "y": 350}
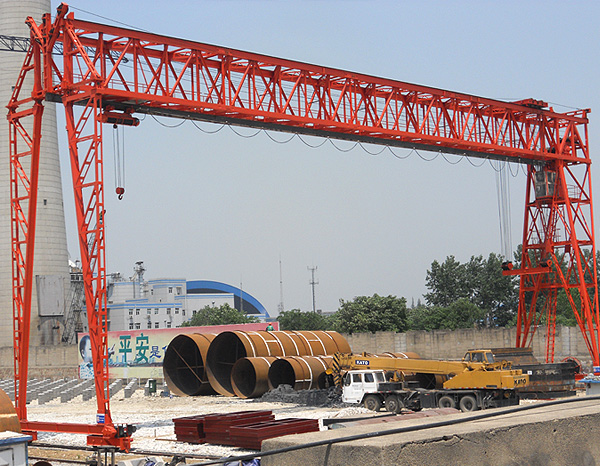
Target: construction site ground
{"x": 153, "y": 415}
{"x": 544, "y": 436}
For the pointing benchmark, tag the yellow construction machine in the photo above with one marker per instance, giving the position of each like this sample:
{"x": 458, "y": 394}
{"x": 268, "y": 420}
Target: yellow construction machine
{"x": 476, "y": 382}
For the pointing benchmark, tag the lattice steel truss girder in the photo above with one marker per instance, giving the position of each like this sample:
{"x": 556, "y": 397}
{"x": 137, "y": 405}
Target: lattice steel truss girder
{"x": 158, "y": 74}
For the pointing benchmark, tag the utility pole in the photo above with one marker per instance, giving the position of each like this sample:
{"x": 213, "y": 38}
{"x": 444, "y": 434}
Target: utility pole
{"x": 313, "y": 282}
{"x": 280, "y": 307}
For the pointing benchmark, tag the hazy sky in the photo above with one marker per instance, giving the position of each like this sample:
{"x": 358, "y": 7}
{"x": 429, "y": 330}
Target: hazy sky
{"x": 228, "y": 207}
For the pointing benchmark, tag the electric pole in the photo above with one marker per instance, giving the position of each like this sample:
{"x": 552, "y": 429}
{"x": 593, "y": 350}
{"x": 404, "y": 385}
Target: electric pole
{"x": 313, "y": 282}
{"x": 280, "y": 307}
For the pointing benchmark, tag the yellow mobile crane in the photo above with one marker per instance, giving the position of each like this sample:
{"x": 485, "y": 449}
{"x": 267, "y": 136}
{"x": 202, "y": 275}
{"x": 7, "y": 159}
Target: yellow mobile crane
{"x": 476, "y": 382}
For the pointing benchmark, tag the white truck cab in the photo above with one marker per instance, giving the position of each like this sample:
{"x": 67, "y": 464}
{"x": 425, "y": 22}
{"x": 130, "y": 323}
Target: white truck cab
{"x": 357, "y": 384}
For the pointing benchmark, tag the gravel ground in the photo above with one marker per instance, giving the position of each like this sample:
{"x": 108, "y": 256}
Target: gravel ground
{"x": 153, "y": 417}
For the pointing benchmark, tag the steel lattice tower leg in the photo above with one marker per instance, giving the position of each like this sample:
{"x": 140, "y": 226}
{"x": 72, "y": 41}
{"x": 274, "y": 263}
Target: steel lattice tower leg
{"x": 559, "y": 255}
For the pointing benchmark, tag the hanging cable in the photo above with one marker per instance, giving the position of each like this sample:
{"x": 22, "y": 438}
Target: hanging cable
{"x": 119, "y": 161}
{"x": 374, "y": 154}
{"x": 205, "y": 131}
{"x": 503, "y": 197}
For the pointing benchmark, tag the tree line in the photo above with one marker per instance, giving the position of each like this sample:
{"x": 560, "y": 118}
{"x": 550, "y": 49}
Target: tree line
{"x": 460, "y": 295}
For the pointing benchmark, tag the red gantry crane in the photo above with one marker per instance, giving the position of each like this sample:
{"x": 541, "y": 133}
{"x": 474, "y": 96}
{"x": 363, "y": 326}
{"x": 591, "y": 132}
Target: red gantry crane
{"x": 107, "y": 74}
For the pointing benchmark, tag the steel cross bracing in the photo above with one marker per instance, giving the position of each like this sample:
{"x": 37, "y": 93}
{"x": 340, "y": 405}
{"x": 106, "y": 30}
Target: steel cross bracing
{"x": 107, "y": 74}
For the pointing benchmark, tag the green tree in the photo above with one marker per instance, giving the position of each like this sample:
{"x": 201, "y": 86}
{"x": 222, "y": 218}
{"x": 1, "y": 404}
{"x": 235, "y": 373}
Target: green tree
{"x": 460, "y": 314}
{"x": 495, "y": 294}
{"x": 447, "y": 282}
{"x": 480, "y": 281}
{"x": 221, "y": 315}
{"x": 371, "y": 314}
{"x": 426, "y": 318}
{"x": 295, "y": 319}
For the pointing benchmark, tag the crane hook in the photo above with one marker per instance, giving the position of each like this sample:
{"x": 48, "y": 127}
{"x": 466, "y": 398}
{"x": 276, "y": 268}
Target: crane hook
{"x": 120, "y": 191}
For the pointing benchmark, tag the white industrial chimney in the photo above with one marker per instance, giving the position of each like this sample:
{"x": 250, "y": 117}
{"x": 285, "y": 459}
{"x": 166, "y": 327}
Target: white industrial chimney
{"x": 51, "y": 272}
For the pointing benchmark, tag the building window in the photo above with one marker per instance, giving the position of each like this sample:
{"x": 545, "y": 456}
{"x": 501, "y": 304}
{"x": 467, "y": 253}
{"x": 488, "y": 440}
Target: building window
{"x": 170, "y": 289}
{"x": 148, "y": 311}
{"x": 194, "y": 313}
{"x": 130, "y": 325}
{"x": 168, "y": 324}
{"x": 168, "y": 310}
{"x": 149, "y": 324}
{"x": 137, "y": 325}
{"x": 178, "y": 290}
{"x": 156, "y": 310}
{"x": 183, "y": 312}
{"x": 176, "y": 310}
{"x": 130, "y": 312}
{"x": 155, "y": 324}
{"x": 137, "y": 312}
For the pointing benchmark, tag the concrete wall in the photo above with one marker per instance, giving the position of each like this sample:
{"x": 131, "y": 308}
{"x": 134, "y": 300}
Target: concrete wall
{"x": 452, "y": 344}
{"x": 62, "y": 360}
{"x": 53, "y": 362}
{"x": 543, "y": 436}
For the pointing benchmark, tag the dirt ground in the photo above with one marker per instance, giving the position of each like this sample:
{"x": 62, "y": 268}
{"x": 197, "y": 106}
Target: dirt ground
{"x": 153, "y": 416}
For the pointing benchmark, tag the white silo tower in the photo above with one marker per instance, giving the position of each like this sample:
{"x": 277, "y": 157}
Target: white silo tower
{"x": 51, "y": 270}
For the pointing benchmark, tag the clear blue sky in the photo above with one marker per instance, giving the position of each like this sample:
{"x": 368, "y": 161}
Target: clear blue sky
{"x": 226, "y": 207}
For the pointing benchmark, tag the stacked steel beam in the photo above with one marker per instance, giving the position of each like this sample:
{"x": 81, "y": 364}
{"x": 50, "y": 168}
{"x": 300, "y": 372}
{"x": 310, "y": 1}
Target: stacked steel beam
{"x": 246, "y": 429}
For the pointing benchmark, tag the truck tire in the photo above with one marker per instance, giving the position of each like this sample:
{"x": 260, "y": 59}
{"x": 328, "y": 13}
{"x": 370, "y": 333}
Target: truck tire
{"x": 372, "y": 403}
{"x": 468, "y": 403}
{"x": 446, "y": 402}
{"x": 393, "y": 404}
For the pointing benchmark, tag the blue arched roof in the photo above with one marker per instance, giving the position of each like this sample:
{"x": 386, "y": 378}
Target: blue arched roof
{"x": 251, "y": 304}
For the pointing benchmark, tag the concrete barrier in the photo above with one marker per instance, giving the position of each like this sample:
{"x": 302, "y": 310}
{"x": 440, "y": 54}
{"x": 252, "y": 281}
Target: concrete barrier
{"x": 548, "y": 436}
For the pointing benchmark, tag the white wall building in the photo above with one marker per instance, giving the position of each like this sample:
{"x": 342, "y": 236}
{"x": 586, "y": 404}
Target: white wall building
{"x": 136, "y": 304}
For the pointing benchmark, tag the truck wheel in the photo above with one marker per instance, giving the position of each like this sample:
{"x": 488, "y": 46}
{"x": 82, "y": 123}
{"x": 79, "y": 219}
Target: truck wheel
{"x": 372, "y": 403}
{"x": 393, "y": 404}
{"x": 446, "y": 402}
{"x": 468, "y": 403}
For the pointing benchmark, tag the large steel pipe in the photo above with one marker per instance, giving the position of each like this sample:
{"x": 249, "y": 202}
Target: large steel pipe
{"x": 228, "y": 347}
{"x": 300, "y": 372}
{"x": 249, "y": 376}
{"x": 184, "y": 365}
{"x": 8, "y": 414}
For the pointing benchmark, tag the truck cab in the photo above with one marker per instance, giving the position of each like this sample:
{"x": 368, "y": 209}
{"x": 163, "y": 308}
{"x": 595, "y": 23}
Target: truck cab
{"x": 357, "y": 384}
{"x": 484, "y": 356}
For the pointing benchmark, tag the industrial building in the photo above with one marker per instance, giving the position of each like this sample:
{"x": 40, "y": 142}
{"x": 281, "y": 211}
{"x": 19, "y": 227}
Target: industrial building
{"x": 135, "y": 303}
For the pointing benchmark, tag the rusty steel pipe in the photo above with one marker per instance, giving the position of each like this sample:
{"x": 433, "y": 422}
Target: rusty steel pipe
{"x": 184, "y": 365}
{"x": 249, "y": 376}
{"x": 228, "y": 347}
{"x": 404, "y": 355}
{"x": 8, "y": 415}
{"x": 300, "y": 372}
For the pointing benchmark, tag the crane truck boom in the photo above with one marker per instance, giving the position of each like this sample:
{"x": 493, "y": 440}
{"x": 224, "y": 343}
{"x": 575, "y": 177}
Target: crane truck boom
{"x": 476, "y": 382}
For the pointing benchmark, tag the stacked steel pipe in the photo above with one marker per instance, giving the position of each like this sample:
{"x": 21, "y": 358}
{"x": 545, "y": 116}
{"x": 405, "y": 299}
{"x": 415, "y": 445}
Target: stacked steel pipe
{"x": 238, "y": 363}
{"x": 228, "y": 347}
